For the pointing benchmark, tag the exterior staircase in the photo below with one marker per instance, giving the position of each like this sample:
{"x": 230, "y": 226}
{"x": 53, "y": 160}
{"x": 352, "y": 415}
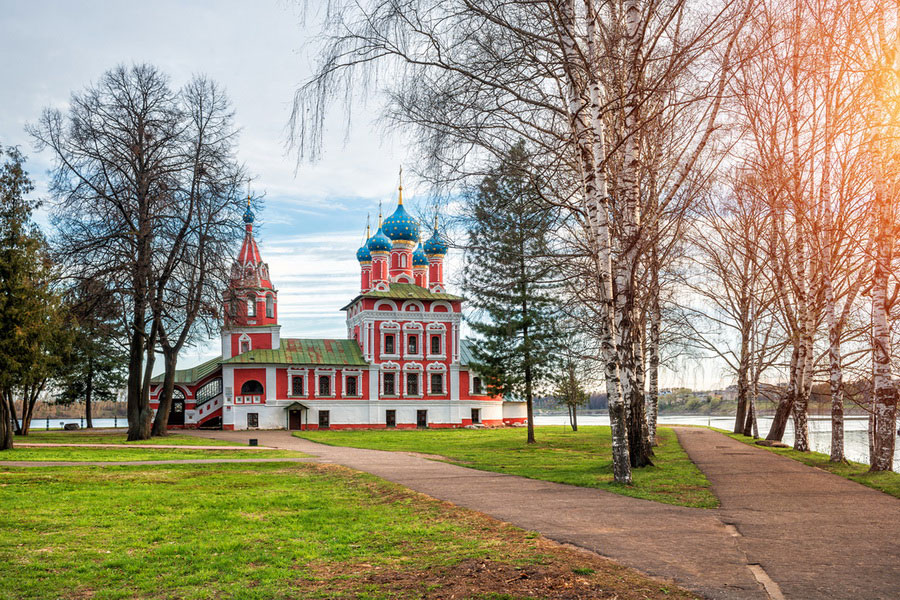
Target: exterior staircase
{"x": 209, "y": 413}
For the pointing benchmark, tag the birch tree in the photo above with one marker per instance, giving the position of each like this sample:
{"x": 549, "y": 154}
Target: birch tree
{"x": 575, "y": 79}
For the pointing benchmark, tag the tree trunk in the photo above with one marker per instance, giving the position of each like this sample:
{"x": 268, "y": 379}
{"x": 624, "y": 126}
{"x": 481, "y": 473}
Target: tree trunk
{"x": 6, "y": 421}
{"x": 16, "y": 422}
{"x": 653, "y": 360}
{"x": 638, "y": 430}
{"x": 785, "y": 405}
{"x": 591, "y": 146}
{"x": 529, "y": 403}
{"x": 884, "y": 398}
{"x": 574, "y": 417}
{"x": 160, "y": 423}
{"x": 88, "y": 392}
{"x": 139, "y": 413}
{"x": 740, "y": 416}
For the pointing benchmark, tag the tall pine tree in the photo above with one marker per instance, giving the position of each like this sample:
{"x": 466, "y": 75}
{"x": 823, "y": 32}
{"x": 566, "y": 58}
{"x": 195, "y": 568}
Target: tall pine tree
{"x": 31, "y": 340}
{"x": 507, "y": 279}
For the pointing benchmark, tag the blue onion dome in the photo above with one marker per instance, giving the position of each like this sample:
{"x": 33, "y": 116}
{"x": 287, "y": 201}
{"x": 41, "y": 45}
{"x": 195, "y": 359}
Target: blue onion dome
{"x": 248, "y": 215}
{"x": 401, "y": 226}
{"x": 363, "y": 254}
{"x": 435, "y": 245}
{"x": 379, "y": 242}
{"x": 419, "y": 258}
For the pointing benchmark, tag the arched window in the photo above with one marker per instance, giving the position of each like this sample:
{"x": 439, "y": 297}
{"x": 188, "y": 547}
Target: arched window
{"x": 270, "y": 306}
{"x": 403, "y": 260}
{"x": 251, "y": 388}
{"x": 251, "y": 305}
{"x": 244, "y": 343}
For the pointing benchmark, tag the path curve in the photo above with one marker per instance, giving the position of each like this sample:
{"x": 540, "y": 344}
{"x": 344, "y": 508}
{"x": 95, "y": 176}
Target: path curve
{"x": 783, "y": 529}
{"x": 816, "y": 534}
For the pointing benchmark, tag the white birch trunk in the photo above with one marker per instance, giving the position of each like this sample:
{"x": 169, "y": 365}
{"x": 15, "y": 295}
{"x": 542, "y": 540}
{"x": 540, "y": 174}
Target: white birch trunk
{"x": 590, "y": 146}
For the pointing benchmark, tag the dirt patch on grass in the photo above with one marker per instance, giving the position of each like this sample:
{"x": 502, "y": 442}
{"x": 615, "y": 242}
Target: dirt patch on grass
{"x": 564, "y": 574}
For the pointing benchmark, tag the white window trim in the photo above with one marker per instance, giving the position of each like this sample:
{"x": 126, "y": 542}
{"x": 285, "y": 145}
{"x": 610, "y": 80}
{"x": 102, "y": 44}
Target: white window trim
{"x": 391, "y": 328}
{"x": 397, "y": 384}
{"x": 254, "y": 303}
{"x": 244, "y": 338}
{"x": 416, "y": 369}
{"x": 304, "y": 373}
{"x": 344, "y": 376}
{"x": 325, "y": 373}
{"x": 419, "y": 386}
{"x": 472, "y": 377}
{"x": 443, "y": 391}
{"x": 442, "y": 355}
{"x": 419, "y": 341}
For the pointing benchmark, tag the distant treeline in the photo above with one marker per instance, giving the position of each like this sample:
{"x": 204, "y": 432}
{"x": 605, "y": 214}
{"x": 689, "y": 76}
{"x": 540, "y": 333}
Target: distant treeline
{"x": 724, "y": 402}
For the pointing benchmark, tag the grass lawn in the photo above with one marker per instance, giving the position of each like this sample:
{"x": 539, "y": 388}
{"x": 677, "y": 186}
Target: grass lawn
{"x": 273, "y": 531}
{"x": 113, "y": 436}
{"x": 579, "y": 458}
{"x": 887, "y": 482}
{"x": 74, "y": 453}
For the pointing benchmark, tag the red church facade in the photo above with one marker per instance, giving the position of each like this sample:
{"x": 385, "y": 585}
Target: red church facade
{"x": 403, "y": 364}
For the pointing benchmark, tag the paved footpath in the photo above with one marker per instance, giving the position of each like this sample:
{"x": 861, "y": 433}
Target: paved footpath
{"x": 784, "y": 530}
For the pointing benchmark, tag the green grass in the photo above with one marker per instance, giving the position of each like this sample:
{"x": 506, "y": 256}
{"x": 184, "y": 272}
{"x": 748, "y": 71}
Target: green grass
{"x": 74, "y": 453}
{"x": 112, "y": 436}
{"x": 268, "y": 532}
{"x": 579, "y": 458}
{"x": 887, "y": 482}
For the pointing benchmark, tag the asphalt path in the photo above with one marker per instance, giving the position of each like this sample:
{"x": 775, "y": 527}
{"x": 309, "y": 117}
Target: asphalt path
{"x": 784, "y": 530}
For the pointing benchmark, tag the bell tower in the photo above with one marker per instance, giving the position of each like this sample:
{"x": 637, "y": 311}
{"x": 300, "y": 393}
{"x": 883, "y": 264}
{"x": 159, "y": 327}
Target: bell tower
{"x": 251, "y": 301}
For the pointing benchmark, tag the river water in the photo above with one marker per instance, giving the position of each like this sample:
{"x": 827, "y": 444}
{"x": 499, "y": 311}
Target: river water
{"x": 856, "y": 440}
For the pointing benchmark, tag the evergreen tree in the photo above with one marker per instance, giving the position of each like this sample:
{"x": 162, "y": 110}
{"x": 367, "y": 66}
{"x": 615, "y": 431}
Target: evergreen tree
{"x": 32, "y": 339}
{"x": 96, "y": 362}
{"x": 508, "y": 281}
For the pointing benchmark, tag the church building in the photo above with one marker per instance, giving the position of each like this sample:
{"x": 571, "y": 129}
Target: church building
{"x": 402, "y": 364}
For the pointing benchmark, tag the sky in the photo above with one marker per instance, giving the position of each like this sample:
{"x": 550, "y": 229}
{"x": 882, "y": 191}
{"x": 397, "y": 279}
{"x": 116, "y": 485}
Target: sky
{"x": 259, "y": 51}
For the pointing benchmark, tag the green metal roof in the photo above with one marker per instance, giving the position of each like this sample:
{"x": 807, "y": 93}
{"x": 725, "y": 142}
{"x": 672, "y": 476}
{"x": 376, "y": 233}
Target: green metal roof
{"x": 192, "y": 375}
{"x": 305, "y": 352}
{"x": 405, "y": 291}
{"x": 465, "y": 352}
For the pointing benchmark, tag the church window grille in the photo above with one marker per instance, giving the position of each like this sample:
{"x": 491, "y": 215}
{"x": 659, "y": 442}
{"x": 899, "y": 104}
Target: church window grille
{"x": 412, "y": 384}
{"x": 390, "y": 388}
{"x": 476, "y": 386}
{"x": 351, "y": 386}
{"x": 297, "y": 385}
{"x": 437, "y": 383}
{"x": 412, "y": 344}
{"x": 324, "y": 385}
{"x": 435, "y": 344}
{"x": 389, "y": 344}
